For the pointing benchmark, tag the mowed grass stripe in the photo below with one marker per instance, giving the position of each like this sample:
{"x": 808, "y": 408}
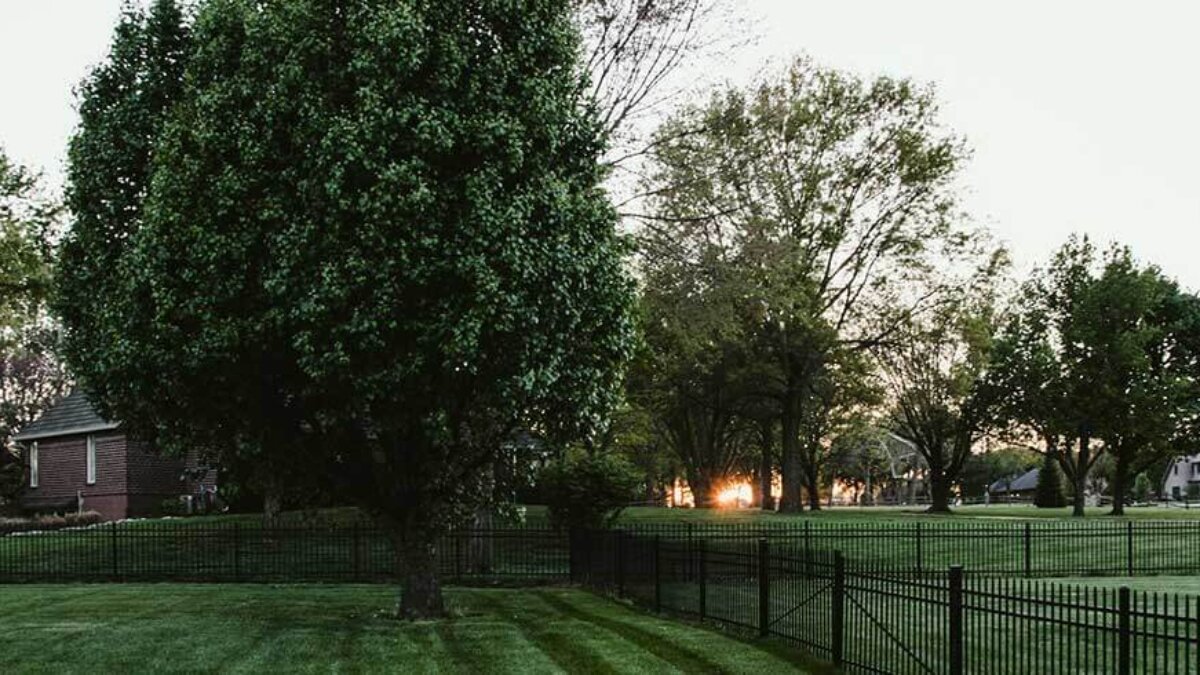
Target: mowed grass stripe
{"x": 345, "y": 629}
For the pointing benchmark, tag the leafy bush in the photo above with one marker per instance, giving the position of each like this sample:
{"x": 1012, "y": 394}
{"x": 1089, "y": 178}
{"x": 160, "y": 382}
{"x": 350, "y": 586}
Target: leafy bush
{"x": 1193, "y": 491}
{"x": 588, "y": 491}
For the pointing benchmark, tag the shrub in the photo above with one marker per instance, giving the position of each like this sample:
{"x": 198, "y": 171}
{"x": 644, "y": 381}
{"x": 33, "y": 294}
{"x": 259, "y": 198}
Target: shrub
{"x": 173, "y": 507}
{"x": 1193, "y": 491}
{"x": 1050, "y": 493}
{"x": 51, "y": 521}
{"x": 1141, "y": 488}
{"x": 85, "y": 518}
{"x": 588, "y": 491}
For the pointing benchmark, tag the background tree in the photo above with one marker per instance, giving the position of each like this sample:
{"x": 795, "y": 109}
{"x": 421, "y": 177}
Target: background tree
{"x": 1138, "y": 327}
{"x": 858, "y": 459}
{"x": 695, "y": 388}
{"x": 832, "y": 193}
{"x": 1050, "y": 493}
{"x": 1102, "y": 351}
{"x": 396, "y": 254}
{"x": 936, "y": 370}
{"x": 31, "y": 377}
{"x": 1038, "y": 365}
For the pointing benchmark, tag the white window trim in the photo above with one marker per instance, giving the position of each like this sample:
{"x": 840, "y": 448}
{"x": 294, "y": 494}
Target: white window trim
{"x": 91, "y": 460}
{"x": 33, "y": 464}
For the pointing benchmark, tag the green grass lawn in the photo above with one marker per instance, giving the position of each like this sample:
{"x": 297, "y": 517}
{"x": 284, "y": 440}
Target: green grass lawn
{"x": 242, "y": 628}
{"x": 1005, "y": 512}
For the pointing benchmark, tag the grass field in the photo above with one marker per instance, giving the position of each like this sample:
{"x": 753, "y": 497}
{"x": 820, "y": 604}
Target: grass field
{"x": 238, "y": 628}
{"x": 1020, "y": 512}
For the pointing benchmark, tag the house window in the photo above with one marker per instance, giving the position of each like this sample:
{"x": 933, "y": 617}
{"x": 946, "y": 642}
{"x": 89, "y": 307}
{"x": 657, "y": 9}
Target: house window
{"x": 91, "y": 460}
{"x": 33, "y": 465}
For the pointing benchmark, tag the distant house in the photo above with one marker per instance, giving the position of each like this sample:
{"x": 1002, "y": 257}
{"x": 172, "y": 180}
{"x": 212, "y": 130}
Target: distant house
{"x": 1181, "y": 474}
{"x": 77, "y": 459}
{"x": 1021, "y": 486}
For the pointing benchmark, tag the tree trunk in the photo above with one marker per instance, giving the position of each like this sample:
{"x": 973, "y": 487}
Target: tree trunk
{"x": 416, "y": 569}
{"x": 767, "y": 500}
{"x": 272, "y": 503}
{"x": 701, "y": 490}
{"x": 1120, "y": 483}
{"x": 939, "y": 491}
{"x": 1080, "y": 475}
{"x": 791, "y": 501}
{"x": 765, "y": 465}
{"x": 812, "y": 486}
{"x": 480, "y": 552}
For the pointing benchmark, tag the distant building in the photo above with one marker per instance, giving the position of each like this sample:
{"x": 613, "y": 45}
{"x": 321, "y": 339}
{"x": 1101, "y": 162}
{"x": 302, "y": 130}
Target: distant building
{"x": 77, "y": 459}
{"x": 1017, "y": 487}
{"x": 1182, "y": 473}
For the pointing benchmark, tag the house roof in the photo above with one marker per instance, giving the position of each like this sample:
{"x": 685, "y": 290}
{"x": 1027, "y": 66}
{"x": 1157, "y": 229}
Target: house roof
{"x": 72, "y": 415}
{"x": 1026, "y": 481}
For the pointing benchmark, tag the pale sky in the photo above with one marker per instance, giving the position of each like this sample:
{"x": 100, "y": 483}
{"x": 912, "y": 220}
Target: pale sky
{"x": 1083, "y": 116}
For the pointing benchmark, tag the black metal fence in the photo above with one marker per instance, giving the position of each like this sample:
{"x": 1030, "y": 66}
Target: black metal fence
{"x": 893, "y": 605}
{"x": 882, "y": 621}
{"x": 1029, "y": 549}
{"x": 181, "y": 551}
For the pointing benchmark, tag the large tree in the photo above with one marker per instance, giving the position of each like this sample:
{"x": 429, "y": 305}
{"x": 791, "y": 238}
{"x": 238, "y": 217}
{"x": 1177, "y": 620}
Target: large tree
{"x": 1139, "y": 329}
{"x": 375, "y": 234}
{"x": 1101, "y": 360}
{"x": 936, "y": 368}
{"x": 832, "y": 193}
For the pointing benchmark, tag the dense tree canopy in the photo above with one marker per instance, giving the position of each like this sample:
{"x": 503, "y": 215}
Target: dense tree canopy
{"x": 374, "y": 238}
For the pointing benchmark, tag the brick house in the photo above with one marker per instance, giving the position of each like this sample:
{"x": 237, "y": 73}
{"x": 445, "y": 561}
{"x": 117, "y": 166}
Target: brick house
{"x": 73, "y": 454}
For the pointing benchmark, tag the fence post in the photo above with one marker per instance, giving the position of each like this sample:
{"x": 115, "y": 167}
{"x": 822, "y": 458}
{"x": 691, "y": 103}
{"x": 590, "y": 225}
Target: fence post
{"x": 919, "y": 563}
{"x": 112, "y": 529}
{"x": 703, "y": 577}
{"x": 620, "y": 571}
{"x": 237, "y": 547}
{"x": 456, "y": 533}
{"x": 1129, "y": 546}
{"x": 837, "y": 606}
{"x": 1123, "y": 655}
{"x": 688, "y": 571}
{"x": 657, "y": 574}
{"x": 1028, "y": 551}
{"x": 573, "y": 565}
{"x": 764, "y": 587}
{"x": 956, "y": 620}
{"x": 807, "y": 551}
{"x": 355, "y": 553}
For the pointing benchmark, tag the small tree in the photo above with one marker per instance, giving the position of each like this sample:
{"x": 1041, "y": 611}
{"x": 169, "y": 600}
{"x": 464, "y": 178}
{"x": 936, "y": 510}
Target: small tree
{"x": 589, "y": 490}
{"x": 1051, "y": 493}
